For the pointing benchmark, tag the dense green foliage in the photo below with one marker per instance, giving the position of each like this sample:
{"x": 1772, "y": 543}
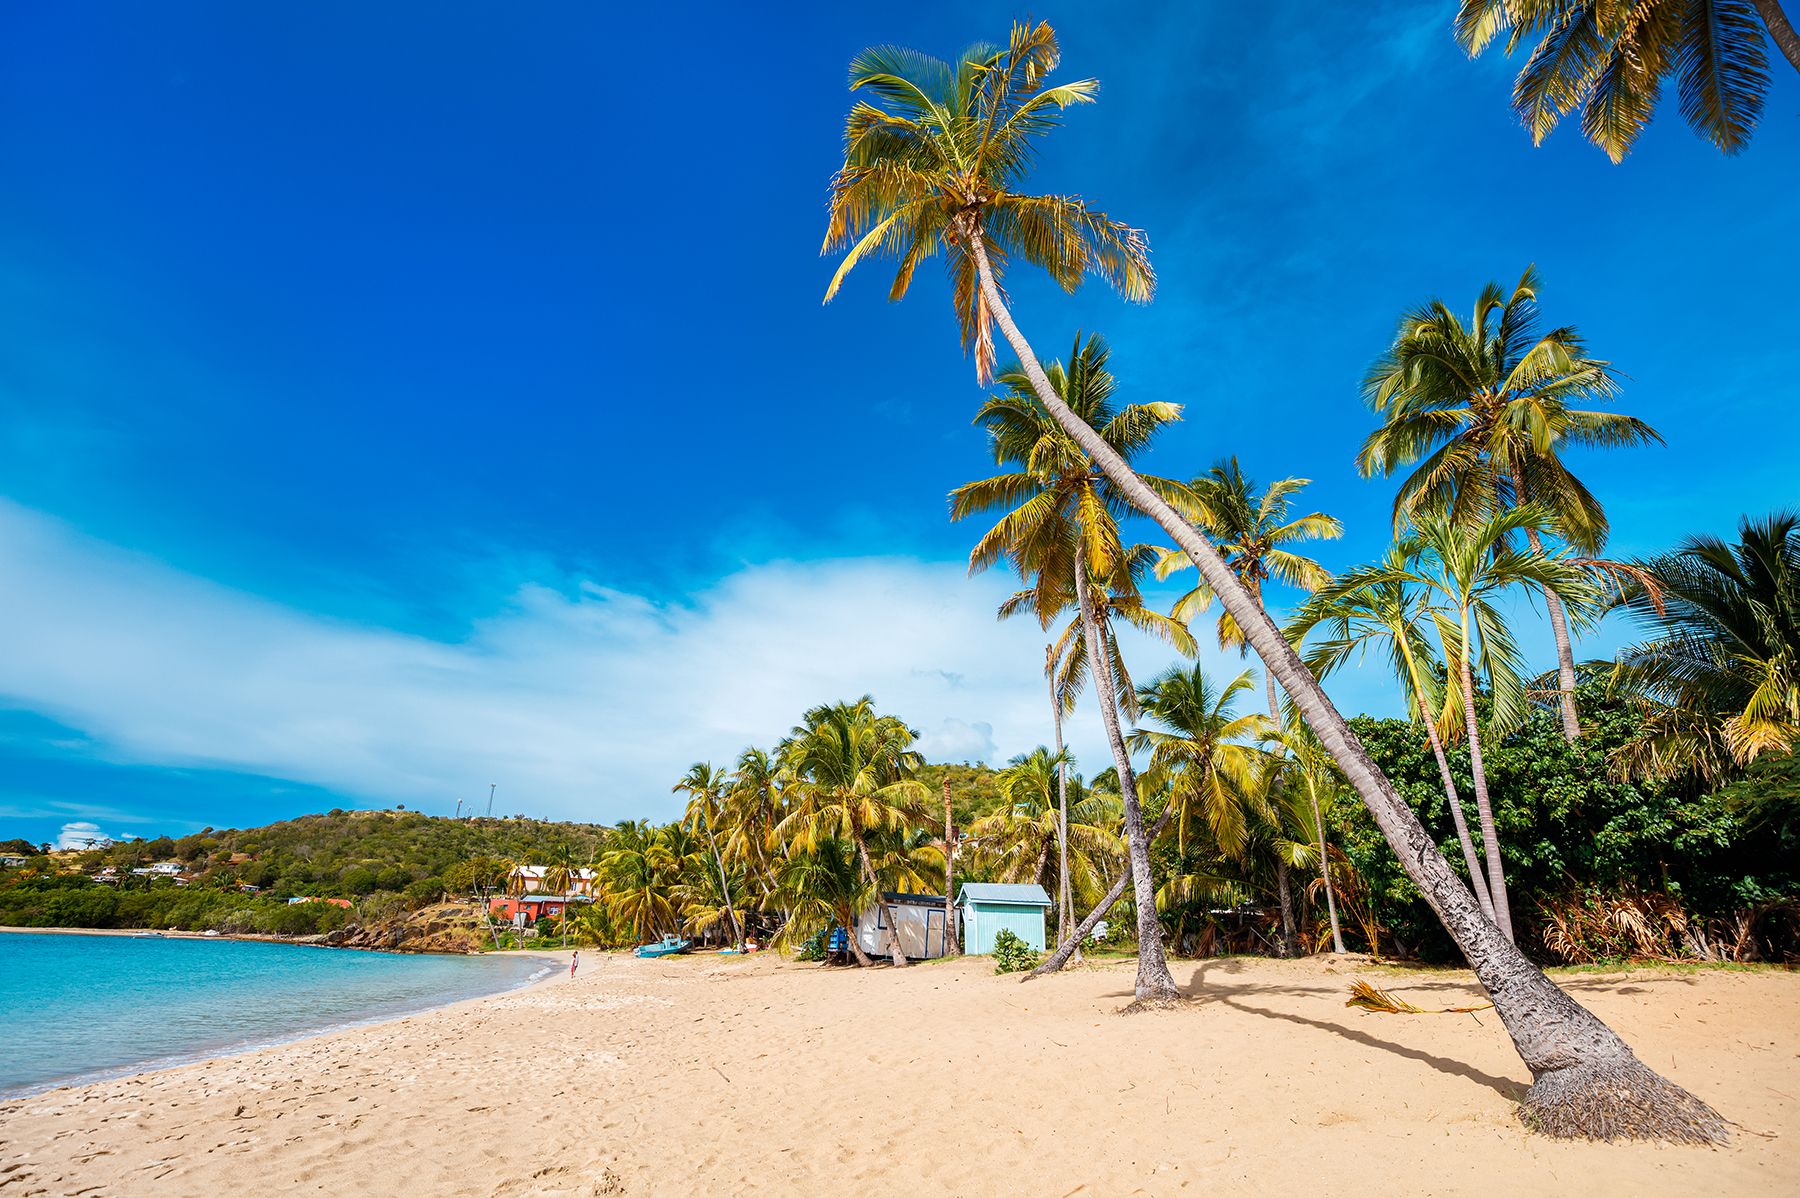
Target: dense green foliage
{"x": 1569, "y": 829}
{"x": 72, "y": 901}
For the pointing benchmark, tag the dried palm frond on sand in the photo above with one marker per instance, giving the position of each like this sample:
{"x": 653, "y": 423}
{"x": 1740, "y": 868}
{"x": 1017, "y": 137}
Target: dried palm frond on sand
{"x": 1371, "y": 998}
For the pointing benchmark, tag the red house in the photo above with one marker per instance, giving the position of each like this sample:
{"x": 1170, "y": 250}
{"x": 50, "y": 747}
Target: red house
{"x": 528, "y": 902}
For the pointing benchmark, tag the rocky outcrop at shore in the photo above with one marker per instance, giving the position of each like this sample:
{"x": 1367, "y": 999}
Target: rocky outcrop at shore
{"x": 441, "y": 928}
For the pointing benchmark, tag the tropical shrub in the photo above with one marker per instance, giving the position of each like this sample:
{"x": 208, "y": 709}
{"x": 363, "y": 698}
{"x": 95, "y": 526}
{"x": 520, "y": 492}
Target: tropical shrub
{"x": 1011, "y": 955}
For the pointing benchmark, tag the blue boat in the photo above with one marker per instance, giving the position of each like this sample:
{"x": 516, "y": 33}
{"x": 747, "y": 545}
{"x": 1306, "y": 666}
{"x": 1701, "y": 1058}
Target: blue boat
{"x": 668, "y": 946}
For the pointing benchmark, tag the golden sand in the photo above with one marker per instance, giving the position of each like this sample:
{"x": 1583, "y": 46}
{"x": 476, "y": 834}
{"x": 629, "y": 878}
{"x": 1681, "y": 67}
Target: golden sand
{"x": 715, "y": 1075}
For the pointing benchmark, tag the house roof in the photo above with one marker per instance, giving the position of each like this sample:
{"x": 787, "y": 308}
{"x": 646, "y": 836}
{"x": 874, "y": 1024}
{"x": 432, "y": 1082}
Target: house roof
{"x": 1021, "y": 895}
{"x": 913, "y": 900}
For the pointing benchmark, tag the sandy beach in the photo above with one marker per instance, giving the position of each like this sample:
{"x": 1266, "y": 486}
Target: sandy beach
{"x": 758, "y": 1076}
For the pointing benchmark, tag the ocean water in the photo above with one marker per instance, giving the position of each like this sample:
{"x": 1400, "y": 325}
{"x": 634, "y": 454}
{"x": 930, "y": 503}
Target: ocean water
{"x": 78, "y": 1008}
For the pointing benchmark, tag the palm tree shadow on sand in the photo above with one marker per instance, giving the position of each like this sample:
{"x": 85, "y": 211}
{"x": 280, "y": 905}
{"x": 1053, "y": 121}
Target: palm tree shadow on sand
{"x": 1202, "y": 990}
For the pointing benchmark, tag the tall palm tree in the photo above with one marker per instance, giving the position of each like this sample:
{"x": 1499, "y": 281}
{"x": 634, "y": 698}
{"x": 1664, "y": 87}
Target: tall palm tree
{"x": 1021, "y": 841}
{"x": 1060, "y": 532}
{"x": 636, "y": 880}
{"x": 1484, "y": 410}
{"x": 1250, "y": 531}
{"x": 1720, "y": 678}
{"x": 1467, "y": 568}
{"x": 1611, "y": 60}
{"x": 1378, "y": 605}
{"x": 753, "y": 806}
{"x": 1065, "y": 903}
{"x": 851, "y": 771}
{"x": 942, "y": 166}
{"x": 706, "y": 788}
{"x": 1200, "y": 752}
{"x": 561, "y": 873}
{"x": 1310, "y": 771}
{"x": 822, "y": 887}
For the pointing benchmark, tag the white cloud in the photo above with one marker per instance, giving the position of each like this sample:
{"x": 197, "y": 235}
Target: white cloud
{"x": 578, "y": 700}
{"x": 81, "y": 835}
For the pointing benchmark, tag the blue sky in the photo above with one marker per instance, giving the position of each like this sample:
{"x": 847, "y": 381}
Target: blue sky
{"x": 399, "y": 399}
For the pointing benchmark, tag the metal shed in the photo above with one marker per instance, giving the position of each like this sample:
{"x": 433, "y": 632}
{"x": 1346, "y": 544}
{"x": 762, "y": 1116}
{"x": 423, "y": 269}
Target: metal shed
{"x": 989, "y": 908}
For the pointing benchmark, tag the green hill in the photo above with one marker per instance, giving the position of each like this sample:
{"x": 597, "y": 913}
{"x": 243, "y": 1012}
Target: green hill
{"x": 239, "y": 879}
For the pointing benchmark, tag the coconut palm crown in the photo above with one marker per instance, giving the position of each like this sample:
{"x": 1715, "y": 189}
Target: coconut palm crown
{"x": 939, "y": 149}
{"x": 1611, "y": 59}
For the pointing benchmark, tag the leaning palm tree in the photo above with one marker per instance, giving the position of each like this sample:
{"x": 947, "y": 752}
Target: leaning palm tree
{"x": 706, "y": 787}
{"x": 1611, "y": 60}
{"x": 1378, "y": 605}
{"x": 1482, "y": 412}
{"x": 940, "y": 164}
{"x": 1719, "y": 680}
{"x": 1060, "y": 532}
{"x": 851, "y": 771}
{"x": 1250, "y": 531}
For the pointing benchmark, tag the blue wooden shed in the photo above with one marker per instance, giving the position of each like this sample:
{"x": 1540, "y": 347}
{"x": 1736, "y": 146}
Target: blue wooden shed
{"x": 989, "y": 908}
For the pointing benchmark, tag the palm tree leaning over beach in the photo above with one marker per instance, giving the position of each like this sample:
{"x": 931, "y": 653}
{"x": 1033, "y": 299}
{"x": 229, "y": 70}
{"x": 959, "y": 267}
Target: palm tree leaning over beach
{"x": 1483, "y": 412}
{"x": 1380, "y": 605}
{"x": 1611, "y": 60}
{"x": 1060, "y": 532}
{"x": 939, "y": 165}
{"x": 706, "y": 788}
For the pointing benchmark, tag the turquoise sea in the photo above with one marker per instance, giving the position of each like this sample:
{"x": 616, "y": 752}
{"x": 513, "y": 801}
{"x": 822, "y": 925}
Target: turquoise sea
{"x": 77, "y": 1008}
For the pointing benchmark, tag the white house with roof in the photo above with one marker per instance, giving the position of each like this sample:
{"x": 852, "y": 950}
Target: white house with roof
{"x": 529, "y": 879}
{"x": 989, "y": 908}
{"x": 921, "y": 920}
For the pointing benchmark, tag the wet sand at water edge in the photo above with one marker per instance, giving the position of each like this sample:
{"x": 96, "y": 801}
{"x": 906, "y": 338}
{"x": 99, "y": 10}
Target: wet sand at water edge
{"x": 721, "y": 1075}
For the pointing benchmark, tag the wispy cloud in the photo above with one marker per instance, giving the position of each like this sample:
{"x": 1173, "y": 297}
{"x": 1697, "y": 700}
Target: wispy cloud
{"x": 578, "y": 699}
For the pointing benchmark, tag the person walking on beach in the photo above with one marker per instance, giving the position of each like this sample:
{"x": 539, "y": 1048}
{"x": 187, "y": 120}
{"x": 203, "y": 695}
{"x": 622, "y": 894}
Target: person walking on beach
{"x": 574, "y": 960}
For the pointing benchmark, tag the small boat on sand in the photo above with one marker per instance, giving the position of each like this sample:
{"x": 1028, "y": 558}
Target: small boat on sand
{"x": 668, "y": 946}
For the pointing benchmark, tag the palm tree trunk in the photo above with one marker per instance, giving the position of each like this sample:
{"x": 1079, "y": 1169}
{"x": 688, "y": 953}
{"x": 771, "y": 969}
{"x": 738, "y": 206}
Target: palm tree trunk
{"x": 850, "y": 938}
{"x": 1065, "y": 898}
{"x": 862, "y": 851}
{"x": 1286, "y": 891}
{"x": 1337, "y": 936}
{"x": 1780, "y": 31}
{"x": 737, "y": 931}
{"x": 1484, "y": 810}
{"x": 1155, "y": 984}
{"x": 1065, "y": 953}
{"x": 1588, "y": 1083}
{"x": 1477, "y": 877}
{"x": 952, "y": 942}
{"x": 1559, "y": 628}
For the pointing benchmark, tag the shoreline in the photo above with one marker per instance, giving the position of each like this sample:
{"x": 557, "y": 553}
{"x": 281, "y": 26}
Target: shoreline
{"x": 311, "y": 941}
{"x": 132, "y": 1072}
